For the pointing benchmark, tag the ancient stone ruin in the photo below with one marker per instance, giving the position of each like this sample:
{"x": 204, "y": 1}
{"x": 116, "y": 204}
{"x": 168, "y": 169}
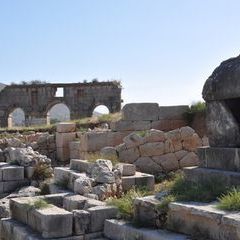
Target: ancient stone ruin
{"x": 81, "y": 98}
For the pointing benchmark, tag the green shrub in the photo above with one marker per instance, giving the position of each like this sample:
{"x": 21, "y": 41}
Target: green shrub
{"x": 230, "y": 201}
{"x": 198, "y": 107}
{"x": 142, "y": 133}
{"x": 125, "y": 203}
{"x": 37, "y": 204}
{"x": 42, "y": 171}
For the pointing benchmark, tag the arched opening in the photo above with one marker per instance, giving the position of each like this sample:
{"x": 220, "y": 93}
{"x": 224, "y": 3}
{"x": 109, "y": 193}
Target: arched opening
{"x": 58, "y": 113}
{"x": 16, "y": 118}
{"x": 100, "y": 110}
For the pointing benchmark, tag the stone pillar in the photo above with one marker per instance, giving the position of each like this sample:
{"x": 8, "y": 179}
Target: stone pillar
{"x": 64, "y": 135}
{"x": 10, "y": 121}
{"x": 48, "y": 119}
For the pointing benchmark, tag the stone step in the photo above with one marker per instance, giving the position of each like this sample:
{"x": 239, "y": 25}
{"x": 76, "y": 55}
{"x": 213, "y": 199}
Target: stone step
{"x": 80, "y": 165}
{"x": 11, "y": 229}
{"x": 51, "y": 221}
{"x": 196, "y": 174}
{"x": 203, "y": 220}
{"x": 121, "y": 230}
{"x": 138, "y": 180}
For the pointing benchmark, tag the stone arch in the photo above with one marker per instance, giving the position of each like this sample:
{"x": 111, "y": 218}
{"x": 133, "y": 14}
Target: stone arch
{"x": 58, "y": 112}
{"x": 16, "y": 117}
{"x": 100, "y": 109}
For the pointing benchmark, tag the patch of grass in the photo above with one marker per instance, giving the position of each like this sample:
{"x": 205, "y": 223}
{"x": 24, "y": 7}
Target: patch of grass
{"x": 125, "y": 203}
{"x": 42, "y": 171}
{"x": 230, "y": 201}
{"x": 142, "y": 133}
{"x": 202, "y": 191}
{"x": 109, "y": 117}
{"x": 37, "y": 204}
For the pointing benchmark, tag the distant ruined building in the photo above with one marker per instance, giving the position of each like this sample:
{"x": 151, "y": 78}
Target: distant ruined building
{"x": 37, "y": 99}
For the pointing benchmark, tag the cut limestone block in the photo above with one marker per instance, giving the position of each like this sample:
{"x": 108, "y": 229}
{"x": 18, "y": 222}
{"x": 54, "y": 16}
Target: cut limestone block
{"x": 99, "y": 214}
{"x": 126, "y": 169}
{"x": 10, "y": 186}
{"x": 63, "y": 139}
{"x": 80, "y": 165}
{"x": 12, "y": 173}
{"x": 61, "y": 175}
{"x": 167, "y": 125}
{"x": 121, "y": 230}
{"x": 65, "y": 127}
{"x": 74, "y": 148}
{"x": 205, "y": 220}
{"x": 129, "y": 126}
{"x": 138, "y": 180}
{"x": 173, "y": 112}
{"x": 13, "y": 230}
{"x": 51, "y": 221}
{"x": 220, "y": 158}
{"x": 140, "y": 111}
{"x": 146, "y": 211}
{"x": 63, "y": 154}
{"x": 196, "y": 174}
{"x": 81, "y": 221}
{"x": 78, "y": 202}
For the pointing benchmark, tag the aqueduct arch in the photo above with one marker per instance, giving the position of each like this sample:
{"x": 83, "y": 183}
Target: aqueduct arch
{"x": 37, "y": 99}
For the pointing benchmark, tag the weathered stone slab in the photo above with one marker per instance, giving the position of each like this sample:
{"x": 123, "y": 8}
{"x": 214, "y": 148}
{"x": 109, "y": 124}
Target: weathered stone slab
{"x": 145, "y": 211}
{"x": 51, "y": 222}
{"x": 61, "y": 175}
{"x": 129, "y": 155}
{"x": 80, "y": 165}
{"x": 130, "y": 126}
{"x": 168, "y": 162}
{"x": 63, "y": 154}
{"x": 228, "y": 178}
{"x": 12, "y": 172}
{"x": 133, "y": 140}
{"x": 190, "y": 159}
{"x": 220, "y": 158}
{"x": 99, "y": 214}
{"x": 65, "y": 127}
{"x": 126, "y": 169}
{"x": 63, "y": 139}
{"x": 74, "y": 148}
{"x": 138, "y": 180}
{"x": 10, "y": 186}
{"x": 121, "y": 230}
{"x": 173, "y": 112}
{"x": 155, "y": 135}
{"x": 82, "y": 220}
{"x": 203, "y": 219}
{"x": 140, "y": 111}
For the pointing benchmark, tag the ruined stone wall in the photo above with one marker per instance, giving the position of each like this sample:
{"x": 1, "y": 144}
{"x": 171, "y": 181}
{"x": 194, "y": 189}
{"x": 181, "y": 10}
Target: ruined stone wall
{"x": 37, "y": 100}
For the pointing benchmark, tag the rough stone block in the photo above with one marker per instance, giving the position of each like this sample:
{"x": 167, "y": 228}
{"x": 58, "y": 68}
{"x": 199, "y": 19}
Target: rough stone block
{"x": 191, "y": 159}
{"x": 81, "y": 221}
{"x": 155, "y": 135}
{"x": 80, "y": 165}
{"x": 152, "y": 149}
{"x": 63, "y": 139}
{"x": 145, "y": 211}
{"x": 167, "y": 161}
{"x": 129, "y": 155}
{"x": 61, "y": 175}
{"x": 172, "y": 112}
{"x": 147, "y": 165}
{"x": 140, "y": 111}
{"x": 12, "y": 173}
{"x": 126, "y": 169}
{"x": 65, "y": 127}
{"x": 28, "y": 172}
{"x": 133, "y": 140}
{"x": 51, "y": 222}
{"x": 99, "y": 214}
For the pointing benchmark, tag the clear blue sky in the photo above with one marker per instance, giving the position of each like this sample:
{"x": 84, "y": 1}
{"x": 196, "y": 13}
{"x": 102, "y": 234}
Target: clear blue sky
{"x": 162, "y": 51}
